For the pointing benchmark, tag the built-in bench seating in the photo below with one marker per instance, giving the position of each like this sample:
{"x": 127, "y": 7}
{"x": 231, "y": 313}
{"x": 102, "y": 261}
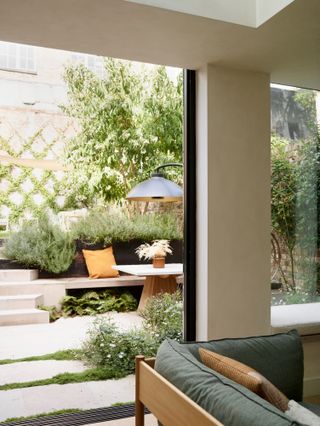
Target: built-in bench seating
{"x": 85, "y": 282}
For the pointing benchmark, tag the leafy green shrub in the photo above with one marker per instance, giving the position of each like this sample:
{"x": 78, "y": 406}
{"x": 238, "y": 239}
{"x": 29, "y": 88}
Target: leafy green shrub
{"x": 42, "y": 245}
{"x": 115, "y": 351}
{"x": 163, "y": 316}
{"x": 108, "y": 227}
{"x": 98, "y": 302}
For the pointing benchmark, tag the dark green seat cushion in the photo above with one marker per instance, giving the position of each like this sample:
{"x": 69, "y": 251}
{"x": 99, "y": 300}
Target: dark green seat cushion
{"x": 230, "y": 403}
{"x": 278, "y": 357}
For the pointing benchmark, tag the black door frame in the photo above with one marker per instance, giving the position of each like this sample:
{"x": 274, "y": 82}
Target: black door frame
{"x": 189, "y": 257}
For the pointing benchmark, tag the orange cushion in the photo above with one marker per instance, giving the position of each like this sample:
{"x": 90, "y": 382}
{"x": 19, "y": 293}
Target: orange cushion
{"x": 100, "y": 262}
{"x": 245, "y": 376}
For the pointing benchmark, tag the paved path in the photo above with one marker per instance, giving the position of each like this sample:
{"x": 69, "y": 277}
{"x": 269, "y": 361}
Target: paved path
{"x": 66, "y": 333}
{"x": 39, "y": 339}
{"x": 45, "y": 399}
{"x": 36, "y": 370}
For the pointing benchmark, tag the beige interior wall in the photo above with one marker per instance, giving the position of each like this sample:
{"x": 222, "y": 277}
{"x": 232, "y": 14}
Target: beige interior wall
{"x": 234, "y": 203}
{"x": 311, "y": 348}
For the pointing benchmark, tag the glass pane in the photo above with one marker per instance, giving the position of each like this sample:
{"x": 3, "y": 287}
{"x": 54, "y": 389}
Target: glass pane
{"x": 295, "y": 193}
{"x": 30, "y": 64}
{"x": 11, "y": 62}
{"x": 12, "y": 49}
{"x": 23, "y": 62}
{"x": 3, "y": 61}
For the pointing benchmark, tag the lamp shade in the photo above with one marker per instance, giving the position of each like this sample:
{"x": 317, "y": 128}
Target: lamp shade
{"x": 157, "y": 188}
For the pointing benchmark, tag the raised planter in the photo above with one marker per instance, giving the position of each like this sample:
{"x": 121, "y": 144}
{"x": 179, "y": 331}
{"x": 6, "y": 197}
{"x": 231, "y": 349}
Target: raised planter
{"x": 124, "y": 253}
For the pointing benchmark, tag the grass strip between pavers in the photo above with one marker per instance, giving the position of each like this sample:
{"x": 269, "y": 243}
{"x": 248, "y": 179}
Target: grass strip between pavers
{"x": 38, "y": 416}
{"x": 66, "y": 355}
{"x": 90, "y": 375}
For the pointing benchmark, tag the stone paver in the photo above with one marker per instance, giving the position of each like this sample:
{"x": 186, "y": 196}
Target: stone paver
{"x": 37, "y": 370}
{"x": 40, "y": 399}
{"x": 66, "y": 333}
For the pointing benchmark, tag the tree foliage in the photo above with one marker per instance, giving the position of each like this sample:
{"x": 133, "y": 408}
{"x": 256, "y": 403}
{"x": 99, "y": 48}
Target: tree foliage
{"x": 283, "y": 192}
{"x": 129, "y": 123}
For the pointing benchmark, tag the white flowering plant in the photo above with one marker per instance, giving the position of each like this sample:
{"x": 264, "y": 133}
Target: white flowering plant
{"x": 163, "y": 316}
{"x": 158, "y": 248}
{"x": 115, "y": 351}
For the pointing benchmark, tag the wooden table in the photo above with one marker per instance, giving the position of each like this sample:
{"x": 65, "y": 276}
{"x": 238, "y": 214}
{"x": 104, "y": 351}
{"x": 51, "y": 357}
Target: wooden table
{"x": 158, "y": 280}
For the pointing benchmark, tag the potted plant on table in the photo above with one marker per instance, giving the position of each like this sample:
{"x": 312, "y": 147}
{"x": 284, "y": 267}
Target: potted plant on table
{"x": 157, "y": 251}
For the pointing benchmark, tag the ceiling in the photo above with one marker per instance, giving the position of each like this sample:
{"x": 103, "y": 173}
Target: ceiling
{"x": 251, "y": 13}
{"x": 287, "y": 45}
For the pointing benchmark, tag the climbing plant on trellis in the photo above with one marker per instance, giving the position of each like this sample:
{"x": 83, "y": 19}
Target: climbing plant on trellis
{"x": 26, "y": 191}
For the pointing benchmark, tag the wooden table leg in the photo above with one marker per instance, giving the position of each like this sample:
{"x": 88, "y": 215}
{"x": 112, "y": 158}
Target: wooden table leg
{"x": 156, "y": 284}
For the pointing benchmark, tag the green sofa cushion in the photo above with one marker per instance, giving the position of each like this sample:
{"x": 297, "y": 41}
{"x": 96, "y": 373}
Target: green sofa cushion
{"x": 278, "y": 357}
{"x": 230, "y": 403}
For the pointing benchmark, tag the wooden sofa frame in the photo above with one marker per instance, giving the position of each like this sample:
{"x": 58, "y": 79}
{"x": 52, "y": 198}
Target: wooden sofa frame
{"x": 168, "y": 404}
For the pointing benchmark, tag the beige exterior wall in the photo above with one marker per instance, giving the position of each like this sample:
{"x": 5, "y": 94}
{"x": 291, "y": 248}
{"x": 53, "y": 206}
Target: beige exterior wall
{"x": 49, "y": 67}
{"x": 234, "y": 203}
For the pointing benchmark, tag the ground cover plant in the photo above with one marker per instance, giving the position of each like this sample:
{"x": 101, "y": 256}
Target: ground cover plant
{"x": 92, "y": 374}
{"x": 93, "y": 302}
{"x": 65, "y": 355}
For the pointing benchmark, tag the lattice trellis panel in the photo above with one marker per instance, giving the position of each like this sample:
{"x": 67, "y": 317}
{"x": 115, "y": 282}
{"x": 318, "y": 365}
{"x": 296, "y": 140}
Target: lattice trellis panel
{"x": 25, "y": 191}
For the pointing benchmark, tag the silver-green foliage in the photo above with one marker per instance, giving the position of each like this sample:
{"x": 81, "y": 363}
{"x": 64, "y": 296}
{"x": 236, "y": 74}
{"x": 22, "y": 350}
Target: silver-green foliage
{"x": 41, "y": 244}
{"x": 100, "y": 226}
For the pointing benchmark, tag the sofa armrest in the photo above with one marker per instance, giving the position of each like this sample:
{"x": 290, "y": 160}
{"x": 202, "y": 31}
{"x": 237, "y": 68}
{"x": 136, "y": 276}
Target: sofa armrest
{"x": 168, "y": 404}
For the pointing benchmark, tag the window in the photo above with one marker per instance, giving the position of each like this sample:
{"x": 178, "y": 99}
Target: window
{"x": 94, "y": 63}
{"x": 295, "y": 196}
{"x": 17, "y": 57}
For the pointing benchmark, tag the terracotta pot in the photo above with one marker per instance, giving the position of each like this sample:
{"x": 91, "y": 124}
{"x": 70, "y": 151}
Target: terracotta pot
{"x": 159, "y": 262}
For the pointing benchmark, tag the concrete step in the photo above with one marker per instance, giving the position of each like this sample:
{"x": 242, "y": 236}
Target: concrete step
{"x": 20, "y": 288}
{"x": 23, "y": 316}
{"x": 27, "y": 301}
{"x": 18, "y": 275}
